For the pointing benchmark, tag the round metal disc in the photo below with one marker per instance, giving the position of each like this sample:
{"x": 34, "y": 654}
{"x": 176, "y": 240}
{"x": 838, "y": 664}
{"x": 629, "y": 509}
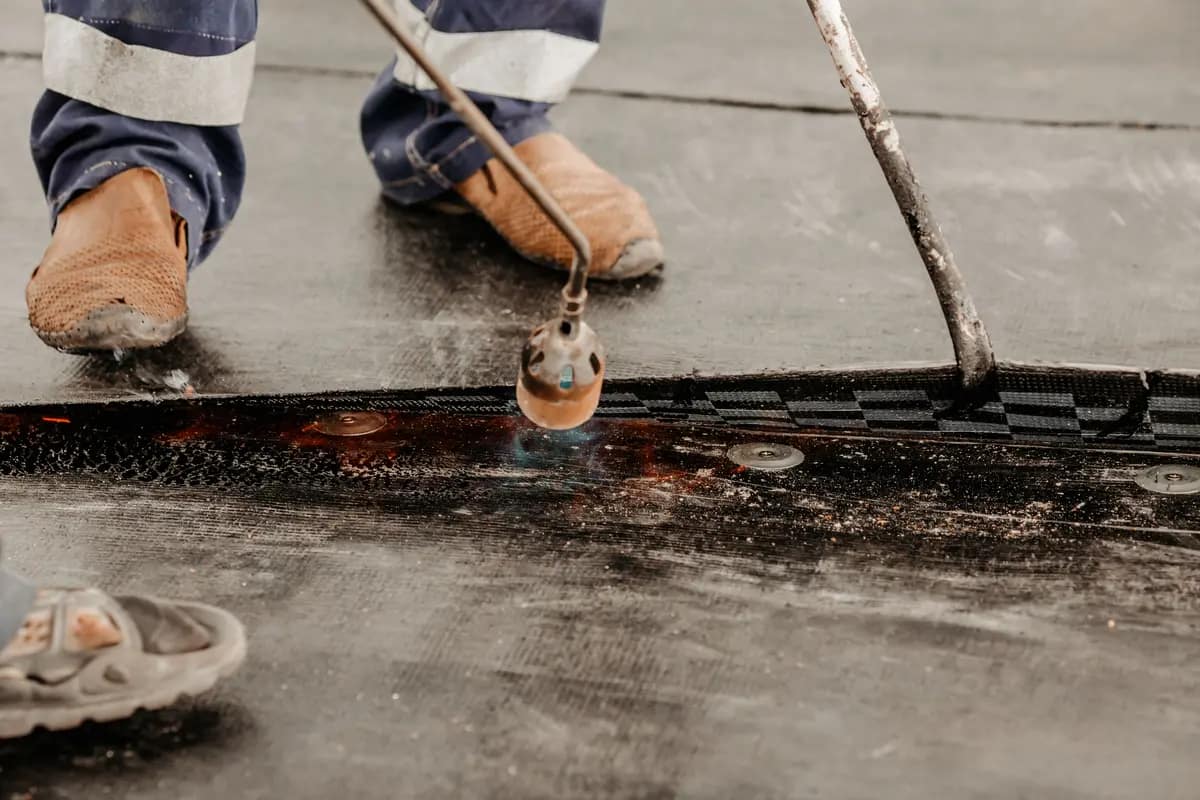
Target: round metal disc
{"x": 1170, "y": 479}
{"x": 765, "y": 456}
{"x": 351, "y": 423}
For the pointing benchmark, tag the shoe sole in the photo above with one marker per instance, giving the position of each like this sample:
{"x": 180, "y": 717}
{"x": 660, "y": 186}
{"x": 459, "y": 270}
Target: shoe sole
{"x": 639, "y": 259}
{"x": 23, "y": 721}
{"x": 116, "y": 327}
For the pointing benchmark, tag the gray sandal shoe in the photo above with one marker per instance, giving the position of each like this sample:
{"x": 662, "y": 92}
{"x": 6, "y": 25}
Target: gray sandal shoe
{"x": 168, "y": 649}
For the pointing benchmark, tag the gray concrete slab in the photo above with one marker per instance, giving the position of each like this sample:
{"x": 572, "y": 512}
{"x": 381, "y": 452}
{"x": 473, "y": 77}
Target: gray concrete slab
{"x": 1072, "y": 60}
{"x": 786, "y": 252}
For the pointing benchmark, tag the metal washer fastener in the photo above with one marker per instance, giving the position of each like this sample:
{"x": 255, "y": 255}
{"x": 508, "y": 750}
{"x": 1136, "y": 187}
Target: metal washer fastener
{"x": 1170, "y": 479}
{"x": 351, "y": 423}
{"x": 765, "y": 456}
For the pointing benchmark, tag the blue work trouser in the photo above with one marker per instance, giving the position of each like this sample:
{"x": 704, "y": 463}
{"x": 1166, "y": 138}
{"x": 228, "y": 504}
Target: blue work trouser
{"x": 164, "y": 84}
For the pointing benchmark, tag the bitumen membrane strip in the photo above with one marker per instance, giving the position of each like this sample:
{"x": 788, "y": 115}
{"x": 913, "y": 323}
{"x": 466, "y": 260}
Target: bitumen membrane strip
{"x": 1140, "y": 409}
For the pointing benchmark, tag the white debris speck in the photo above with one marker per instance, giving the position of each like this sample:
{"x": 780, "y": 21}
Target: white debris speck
{"x": 884, "y": 750}
{"x": 176, "y": 379}
{"x": 1058, "y": 242}
{"x": 891, "y": 139}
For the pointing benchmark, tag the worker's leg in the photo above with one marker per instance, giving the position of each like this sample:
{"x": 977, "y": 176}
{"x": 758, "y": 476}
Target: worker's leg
{"x": 16, "y": 599}
{"x": 516, "y": 59}
{"x": 131, "y": 84}
{"x": 70, "y": 655}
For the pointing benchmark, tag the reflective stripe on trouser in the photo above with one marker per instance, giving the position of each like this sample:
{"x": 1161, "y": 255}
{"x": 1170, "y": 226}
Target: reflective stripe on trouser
{"x": 514, "y": 57}
{"x": 16, "y": 598}
{"x": 163, "y": 85}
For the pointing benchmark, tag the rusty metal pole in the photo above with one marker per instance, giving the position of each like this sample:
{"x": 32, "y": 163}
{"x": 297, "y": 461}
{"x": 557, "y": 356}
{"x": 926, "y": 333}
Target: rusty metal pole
{"x": 972, "y": 347}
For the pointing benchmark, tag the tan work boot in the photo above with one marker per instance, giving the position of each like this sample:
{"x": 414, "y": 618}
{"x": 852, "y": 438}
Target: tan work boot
{"x": 613, "y": 216}
{"x": 115, "y": 274}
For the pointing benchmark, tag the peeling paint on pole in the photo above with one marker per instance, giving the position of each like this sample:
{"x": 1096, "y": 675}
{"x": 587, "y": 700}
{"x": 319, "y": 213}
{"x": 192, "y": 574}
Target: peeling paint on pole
{"x": 972, "y": 347}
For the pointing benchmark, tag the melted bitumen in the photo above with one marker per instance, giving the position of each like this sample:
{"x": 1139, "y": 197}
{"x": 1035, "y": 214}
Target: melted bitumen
{"x": 891, "y": 494}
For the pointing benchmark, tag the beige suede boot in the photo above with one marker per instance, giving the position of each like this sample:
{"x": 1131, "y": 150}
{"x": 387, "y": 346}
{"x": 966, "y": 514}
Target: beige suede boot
{"x": 614, "y": 217}
{"x": 115, "y": 274}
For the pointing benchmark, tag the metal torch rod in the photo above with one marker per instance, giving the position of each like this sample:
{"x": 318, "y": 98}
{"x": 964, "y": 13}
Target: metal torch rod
{"x": 972, "y": 348}
{"x": 575, "y": 292}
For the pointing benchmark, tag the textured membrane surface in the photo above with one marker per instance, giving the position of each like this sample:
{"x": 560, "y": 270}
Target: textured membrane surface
{"x": 462, "y": 605}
